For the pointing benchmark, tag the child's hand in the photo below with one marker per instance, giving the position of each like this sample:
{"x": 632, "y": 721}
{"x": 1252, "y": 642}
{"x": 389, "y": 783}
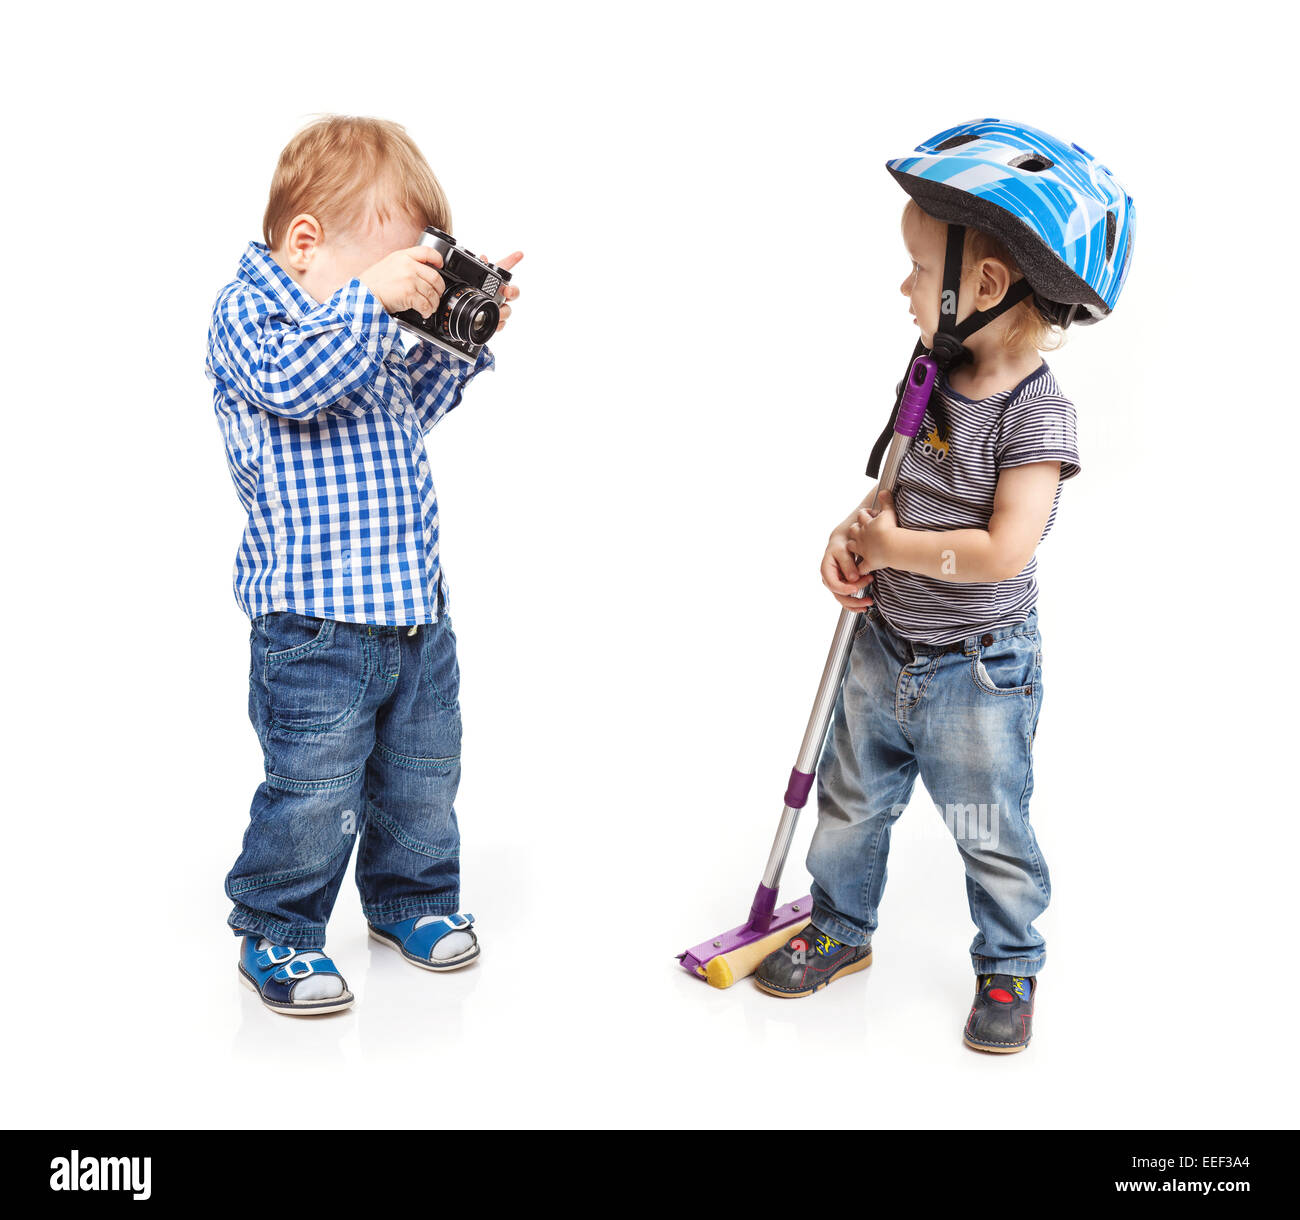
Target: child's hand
{"x": 840, "y": 571}
{"x": 866, "y": 535}
{"x": 407, "y": 279}
{"x": 880, "y": 518}
{"x": 855, "y": 550}
{"x": 511, "y": 291}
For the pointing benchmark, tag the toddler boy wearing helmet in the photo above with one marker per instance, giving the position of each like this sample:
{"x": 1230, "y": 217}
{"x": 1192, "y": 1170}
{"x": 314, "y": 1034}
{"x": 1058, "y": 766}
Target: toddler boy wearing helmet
{"x": 1010, "y": 233}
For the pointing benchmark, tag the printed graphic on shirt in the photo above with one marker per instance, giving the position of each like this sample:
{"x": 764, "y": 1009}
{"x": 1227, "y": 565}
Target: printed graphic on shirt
{"x": 932, "y": 446}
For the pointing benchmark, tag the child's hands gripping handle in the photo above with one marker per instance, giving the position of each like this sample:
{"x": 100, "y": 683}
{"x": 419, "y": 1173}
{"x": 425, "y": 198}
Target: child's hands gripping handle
{"x": 856, "y": 546}
{"x": 851, "y": 551}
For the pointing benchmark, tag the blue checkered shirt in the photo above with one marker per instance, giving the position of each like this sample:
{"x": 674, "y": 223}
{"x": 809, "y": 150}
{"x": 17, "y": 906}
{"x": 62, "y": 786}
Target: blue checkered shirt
{"x": 324, "y": 408}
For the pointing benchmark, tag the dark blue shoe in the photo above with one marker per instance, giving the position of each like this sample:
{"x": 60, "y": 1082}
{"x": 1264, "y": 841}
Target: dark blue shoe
{"x": 1002, "y": 1017}
{"x": 276, "y": 971}
{"x": 807, "y": 962}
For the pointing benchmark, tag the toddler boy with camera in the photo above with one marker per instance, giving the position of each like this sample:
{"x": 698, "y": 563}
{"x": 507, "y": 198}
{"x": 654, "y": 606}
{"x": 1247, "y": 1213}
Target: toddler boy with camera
{"x": 323, "y": 402}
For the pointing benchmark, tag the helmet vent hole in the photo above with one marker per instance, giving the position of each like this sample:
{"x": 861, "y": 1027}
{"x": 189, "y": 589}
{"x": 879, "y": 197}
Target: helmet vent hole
{"x": 1112, "y": 223}
{"x": 1035, "y": 163}
{"x": 957, "y": 141}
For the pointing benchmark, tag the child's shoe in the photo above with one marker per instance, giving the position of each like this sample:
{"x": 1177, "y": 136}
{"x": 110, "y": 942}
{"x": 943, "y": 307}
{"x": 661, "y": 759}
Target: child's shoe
{"x": 432, "y": 942}
{"x": 807, "y": 962}
{"x": 1002, "y": 1017}
{"x": 297, "y": 982}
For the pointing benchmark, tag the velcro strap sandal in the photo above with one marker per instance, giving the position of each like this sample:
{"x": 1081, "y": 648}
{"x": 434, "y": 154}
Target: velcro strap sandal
{"x": 275, "y": 972}
{"x": 417, "y": 944}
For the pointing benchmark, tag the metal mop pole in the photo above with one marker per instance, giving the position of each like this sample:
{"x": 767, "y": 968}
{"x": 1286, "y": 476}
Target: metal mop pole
{"x": 714, "y": 959}
{"x": 920, "y": 381}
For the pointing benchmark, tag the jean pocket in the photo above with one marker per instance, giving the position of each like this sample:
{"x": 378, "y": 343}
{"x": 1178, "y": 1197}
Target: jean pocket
{"x": 441, "y": 668}
{"x": 292, "y": 636}
{"x": 1007, "y": 666}
{"x": 312, "y": 678}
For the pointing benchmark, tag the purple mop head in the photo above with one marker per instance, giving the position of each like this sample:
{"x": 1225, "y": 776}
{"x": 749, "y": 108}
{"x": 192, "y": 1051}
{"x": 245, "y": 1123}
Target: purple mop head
{"x": 716, "y": 960}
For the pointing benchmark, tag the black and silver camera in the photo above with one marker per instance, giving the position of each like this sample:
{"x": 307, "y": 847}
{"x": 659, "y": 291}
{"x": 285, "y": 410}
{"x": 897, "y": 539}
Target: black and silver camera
{"x": 470, "y": 308}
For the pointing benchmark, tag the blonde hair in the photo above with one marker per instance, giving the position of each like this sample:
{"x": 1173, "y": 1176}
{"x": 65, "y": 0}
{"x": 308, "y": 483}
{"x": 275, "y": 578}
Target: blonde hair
{"x": 345, "y": 171}
{"x": 1026, "y": 326}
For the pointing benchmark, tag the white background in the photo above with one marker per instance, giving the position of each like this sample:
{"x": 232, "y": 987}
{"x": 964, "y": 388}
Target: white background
{"x": 634, "y": 507}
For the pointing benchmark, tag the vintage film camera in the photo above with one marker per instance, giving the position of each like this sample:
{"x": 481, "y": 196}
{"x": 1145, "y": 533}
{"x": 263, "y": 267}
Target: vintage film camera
{"x": 470, "y": 308}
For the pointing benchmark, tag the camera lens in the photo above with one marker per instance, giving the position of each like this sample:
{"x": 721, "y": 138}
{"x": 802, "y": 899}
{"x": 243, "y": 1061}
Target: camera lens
{"x": 468, "y": 316}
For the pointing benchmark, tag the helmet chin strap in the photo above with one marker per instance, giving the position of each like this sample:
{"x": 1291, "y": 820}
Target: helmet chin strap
{"x": 947, "y": 349}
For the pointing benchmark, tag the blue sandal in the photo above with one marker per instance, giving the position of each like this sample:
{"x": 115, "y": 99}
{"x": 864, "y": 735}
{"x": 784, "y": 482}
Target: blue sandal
{"x": 275, "y": 972}
{"x": 416, "y": 944}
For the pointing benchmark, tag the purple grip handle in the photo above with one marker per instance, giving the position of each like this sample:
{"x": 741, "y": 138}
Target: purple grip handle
{"x": 796, "y": 791}
{"x": 916, "y": 397}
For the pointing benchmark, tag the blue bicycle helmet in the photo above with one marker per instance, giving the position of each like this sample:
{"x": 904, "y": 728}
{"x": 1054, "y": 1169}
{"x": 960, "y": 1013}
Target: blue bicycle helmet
{"x": 1060, "y": 212}
{"x": 1062, "y": 215}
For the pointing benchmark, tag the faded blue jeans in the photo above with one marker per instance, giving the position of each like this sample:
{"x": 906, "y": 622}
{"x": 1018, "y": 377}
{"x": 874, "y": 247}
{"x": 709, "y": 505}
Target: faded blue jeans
{"x": 360, "y": 730}
{"x": 964, "y": 721}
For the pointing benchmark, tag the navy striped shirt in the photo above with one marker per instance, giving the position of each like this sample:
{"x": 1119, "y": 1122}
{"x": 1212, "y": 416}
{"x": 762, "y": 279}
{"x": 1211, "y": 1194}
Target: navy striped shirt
{"x": 324, "y": 411}
{"x": 951, "y": 486}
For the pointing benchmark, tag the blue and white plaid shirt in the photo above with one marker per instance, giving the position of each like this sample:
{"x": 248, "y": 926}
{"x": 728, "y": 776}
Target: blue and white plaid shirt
{"x": 323, "y": 415}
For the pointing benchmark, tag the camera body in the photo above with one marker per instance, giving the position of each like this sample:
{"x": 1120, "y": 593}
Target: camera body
{"x": 470, "y": 308}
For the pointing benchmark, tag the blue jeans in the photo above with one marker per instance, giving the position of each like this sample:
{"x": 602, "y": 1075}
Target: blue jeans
{"x": 964, "y": 721}
{"x": 360, "y": 730}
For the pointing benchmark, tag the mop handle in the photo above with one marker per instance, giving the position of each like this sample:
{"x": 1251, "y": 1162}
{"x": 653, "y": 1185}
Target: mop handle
{"x": 911, "y": 410}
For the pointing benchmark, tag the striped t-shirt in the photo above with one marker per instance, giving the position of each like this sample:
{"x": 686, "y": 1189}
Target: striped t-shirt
{"x": 951, "y": 486}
